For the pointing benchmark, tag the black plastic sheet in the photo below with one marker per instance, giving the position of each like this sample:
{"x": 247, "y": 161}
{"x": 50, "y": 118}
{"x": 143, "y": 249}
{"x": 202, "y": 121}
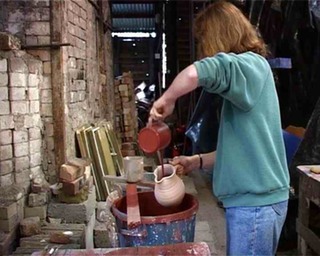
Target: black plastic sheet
{"x": 204, "y": 125}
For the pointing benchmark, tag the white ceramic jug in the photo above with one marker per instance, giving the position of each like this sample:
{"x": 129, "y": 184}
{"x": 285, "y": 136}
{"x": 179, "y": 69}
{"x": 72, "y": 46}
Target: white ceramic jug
{"x": 169, "y": 188}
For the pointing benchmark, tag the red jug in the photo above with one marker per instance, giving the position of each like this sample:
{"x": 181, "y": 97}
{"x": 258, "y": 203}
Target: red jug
{"x": 154, "y": 137}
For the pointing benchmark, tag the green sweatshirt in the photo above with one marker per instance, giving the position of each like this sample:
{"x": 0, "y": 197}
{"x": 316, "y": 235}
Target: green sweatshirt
{"x": 250, "y": 167}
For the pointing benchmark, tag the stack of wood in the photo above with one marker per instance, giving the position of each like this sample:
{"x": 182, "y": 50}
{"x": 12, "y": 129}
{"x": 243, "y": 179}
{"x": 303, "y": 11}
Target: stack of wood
{"x": 75, "y": 176}
{"x": 127, "y": 120}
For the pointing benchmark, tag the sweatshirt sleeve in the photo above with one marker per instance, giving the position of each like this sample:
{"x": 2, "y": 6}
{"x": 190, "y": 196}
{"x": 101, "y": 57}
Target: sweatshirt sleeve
{"x": 239, "y": 79}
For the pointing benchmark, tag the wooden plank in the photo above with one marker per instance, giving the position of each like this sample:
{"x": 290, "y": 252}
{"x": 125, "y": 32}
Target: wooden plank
{"x": 58, "y": 84}
{"x": 309, "y": 236}
{"x": 104, "y": 149}
{"x": 116, "y": 147}
{"x": 133, "y": 210}
{"x": 98, "y": 170}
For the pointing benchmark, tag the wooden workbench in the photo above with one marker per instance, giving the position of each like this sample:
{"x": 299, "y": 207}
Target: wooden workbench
{"x": 308, "y": 228}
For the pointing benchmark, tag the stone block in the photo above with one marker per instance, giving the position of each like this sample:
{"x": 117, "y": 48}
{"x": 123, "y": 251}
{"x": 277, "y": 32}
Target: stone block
{"x": 9, "y": 42}
{"x": 34, "y": 106}
{"x": 4, "y": 107}
{"x": 33, "y": 120}
{"x": 47, "y": 67}
{"x": 37, "y": 199}
{"x": 35, "y": 146}
{"x": 44, "y": 39}
{"x": 8, "y": 241}
{"x": 101, "y": 235}
{"x": 22, "y": 176}
{"x": 9, "y": 224}
{"x": 6, "y": 167}
{"x": 35, "y": 159}
{"x": 4, "y": 93}
{"x": 89, "y": 231}
{"x": 48, "y": 128}
{"x": 21, "y": 203}
{"x": 17, "y": 65}
{"x": 17, "y": 93}
{"x": 8, "y": 209}
{"x": 6, "y": 152}
{"x": 11, "y": 193}
{"x": 34, "y": 133}
{"x": 4, "y": 79}
{"x": 30, "y": 226}
{"x": 40, "y": 211}
{"x": 35, "y": 68}
{"x": 19, "y": 107}
{"x": 20, "y": 136}
{"x": 46, "y": 96}
{"x": 59, "y": 238}
{"x": 3, "y": 65}
{"x": 7, "y": 179}
{"x": 5, "y": 137}
{"x": 38, "y": 29}
{"x": 18, "y": 80}
{"x": 21, "y": 149}
{"x": 31, "y": 40}
{"x": 33, "y": 93}
{"x": 21, "y": 163}
{"x": 50, "y": 143}
{"x": 74, "y": 213}
{"x": 34, "y": 80}
{"x": 44, "y": 55}
{"x": 46, "y": 109}
{"x": 102, "y": 211}
{"x": 6, "y": 122}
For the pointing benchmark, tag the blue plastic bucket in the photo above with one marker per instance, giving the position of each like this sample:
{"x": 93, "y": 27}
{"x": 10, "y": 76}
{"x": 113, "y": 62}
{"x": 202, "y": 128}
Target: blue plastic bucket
{"x": 159, "y": 225}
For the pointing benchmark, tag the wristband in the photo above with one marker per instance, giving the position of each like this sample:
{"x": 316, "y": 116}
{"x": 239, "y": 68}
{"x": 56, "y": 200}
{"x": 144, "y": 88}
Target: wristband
{"x": 200, "y": 157}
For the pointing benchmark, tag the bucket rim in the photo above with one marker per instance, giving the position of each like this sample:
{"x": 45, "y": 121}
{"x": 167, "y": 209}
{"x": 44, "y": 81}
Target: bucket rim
{"x": 161, "y": 218}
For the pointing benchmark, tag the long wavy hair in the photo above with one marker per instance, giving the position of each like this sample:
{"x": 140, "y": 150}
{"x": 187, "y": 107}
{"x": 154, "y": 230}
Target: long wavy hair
{"x": 222, "y": 27}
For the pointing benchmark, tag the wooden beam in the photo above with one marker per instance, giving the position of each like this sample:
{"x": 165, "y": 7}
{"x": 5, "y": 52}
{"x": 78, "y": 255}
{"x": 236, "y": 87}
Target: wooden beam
{"x": 57, "y": 77}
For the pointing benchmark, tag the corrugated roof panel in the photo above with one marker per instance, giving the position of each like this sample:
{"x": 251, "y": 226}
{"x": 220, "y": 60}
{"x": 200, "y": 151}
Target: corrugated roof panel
{"x": 124, "y": 9}
{"x": 133, "y": 24}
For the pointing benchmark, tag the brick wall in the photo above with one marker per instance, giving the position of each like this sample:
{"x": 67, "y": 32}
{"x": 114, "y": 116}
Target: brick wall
{"x": 20, "y": 120}
{"x": 70, "y": 86}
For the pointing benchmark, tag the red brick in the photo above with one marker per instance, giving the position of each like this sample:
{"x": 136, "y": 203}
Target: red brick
{"x": 30, "y": 226}
{"x": 73, "y": 187}
{"x": 69, "y": 173}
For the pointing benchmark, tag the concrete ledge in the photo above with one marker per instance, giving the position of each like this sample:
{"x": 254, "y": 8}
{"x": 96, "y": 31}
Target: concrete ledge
{"x": 74, "y": 213}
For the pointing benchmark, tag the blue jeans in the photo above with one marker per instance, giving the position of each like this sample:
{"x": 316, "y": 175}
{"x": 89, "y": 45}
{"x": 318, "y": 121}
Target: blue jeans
{"x": 255, "y": 230}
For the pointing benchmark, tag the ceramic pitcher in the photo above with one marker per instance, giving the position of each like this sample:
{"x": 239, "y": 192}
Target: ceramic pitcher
{"x": 169, "y": 188}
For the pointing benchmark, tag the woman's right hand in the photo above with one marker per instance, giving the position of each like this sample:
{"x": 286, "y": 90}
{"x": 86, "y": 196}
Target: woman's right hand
{"x": 161, "y": 108}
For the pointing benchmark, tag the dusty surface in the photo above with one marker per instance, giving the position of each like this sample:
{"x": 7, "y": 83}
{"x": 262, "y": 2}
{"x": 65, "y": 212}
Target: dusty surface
{"x": 210, "y": 221}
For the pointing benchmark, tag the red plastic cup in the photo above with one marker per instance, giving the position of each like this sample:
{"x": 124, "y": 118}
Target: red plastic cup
{"x": 154, "y": 137}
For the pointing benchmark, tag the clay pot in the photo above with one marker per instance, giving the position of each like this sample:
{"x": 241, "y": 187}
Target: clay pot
{"x": 154, "y": 137}
{"x": 169, "y": 188}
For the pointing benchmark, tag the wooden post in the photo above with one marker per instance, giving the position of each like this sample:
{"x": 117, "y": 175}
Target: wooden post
{"x": 58, "y": 35}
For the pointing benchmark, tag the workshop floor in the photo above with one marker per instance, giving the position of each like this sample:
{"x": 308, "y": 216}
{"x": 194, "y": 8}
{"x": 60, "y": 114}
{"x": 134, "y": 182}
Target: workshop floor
{"x": 210, "y": 220}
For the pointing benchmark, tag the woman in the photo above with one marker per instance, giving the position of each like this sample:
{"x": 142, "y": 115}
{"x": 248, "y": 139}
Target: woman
{"x": 250, "y": 175}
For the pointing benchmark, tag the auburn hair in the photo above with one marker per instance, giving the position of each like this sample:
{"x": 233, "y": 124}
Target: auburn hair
{"x": 222, "y": 27}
